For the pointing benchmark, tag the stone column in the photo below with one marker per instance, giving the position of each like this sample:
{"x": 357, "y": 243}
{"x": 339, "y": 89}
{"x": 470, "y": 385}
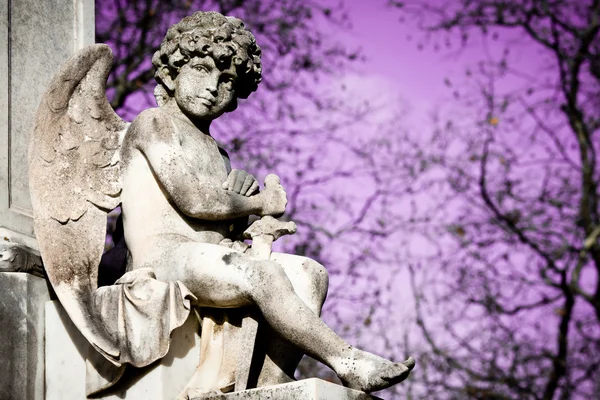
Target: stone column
{"x": 36, "y": 37}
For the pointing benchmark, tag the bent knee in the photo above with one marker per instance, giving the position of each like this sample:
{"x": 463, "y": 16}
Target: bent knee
{"x": 316, "y": 271}
{"x": 319, "y": 278}
{"x": 309, "y": 278}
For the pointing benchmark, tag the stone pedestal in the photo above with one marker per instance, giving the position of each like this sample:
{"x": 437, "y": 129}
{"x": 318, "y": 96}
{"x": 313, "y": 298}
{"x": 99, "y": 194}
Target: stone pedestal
{"x": 22, "y": 302}
{"x": 306, "y": 389}
{"x": 67, "y": 349}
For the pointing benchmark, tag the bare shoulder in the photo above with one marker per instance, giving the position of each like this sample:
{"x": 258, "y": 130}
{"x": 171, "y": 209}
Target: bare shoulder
{"x": 153, "y": 123}
{"x": 151, "y": 126}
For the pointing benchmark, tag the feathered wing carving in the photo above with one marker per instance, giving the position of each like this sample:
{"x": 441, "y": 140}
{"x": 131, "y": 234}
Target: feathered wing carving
{"x": 74, "y": 181}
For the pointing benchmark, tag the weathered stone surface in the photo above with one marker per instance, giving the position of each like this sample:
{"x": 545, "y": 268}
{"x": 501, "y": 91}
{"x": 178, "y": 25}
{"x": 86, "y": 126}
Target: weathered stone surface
{"x": 15, "y": 257}
{"x": 22, "y": 299}
{"x": 6, "y": 235}
{"x": 67, "y": 351}
{"x": 307, "y": 389}
{"x": 48, "y": 32}
{"x": 35, "y": 38}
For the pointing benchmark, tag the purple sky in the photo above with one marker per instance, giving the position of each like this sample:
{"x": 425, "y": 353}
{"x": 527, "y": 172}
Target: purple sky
{"x": 376, "y": 29}
{"x": 395, "y": 67}
{"x": 402, "y": 77}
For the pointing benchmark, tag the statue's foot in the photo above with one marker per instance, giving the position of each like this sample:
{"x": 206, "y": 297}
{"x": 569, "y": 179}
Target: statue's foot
{"x": 370, "y": 373}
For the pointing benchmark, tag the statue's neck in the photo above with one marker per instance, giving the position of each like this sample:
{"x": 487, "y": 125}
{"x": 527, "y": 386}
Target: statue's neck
{"x": 173, "y": 109}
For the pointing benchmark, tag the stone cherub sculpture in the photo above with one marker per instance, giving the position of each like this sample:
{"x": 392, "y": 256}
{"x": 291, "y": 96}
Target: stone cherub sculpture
{"x": 180, "y": 202}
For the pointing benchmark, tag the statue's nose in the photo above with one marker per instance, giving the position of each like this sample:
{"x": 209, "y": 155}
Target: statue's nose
{"x": 212, "y": 90}
{"x": 212, "y": 86}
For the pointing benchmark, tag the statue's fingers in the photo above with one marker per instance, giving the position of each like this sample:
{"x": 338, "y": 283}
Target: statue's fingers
{"x": 253, "y": 188}
{"x": 247, "y": 184}
{"x": 227, "y": 182}
{"x": 239, "y": 182}
{"x": 232, "y": 178}
{"x": 235, "y": 176}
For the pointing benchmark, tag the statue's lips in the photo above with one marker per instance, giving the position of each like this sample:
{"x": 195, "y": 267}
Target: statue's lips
{"x": 206, "y": 101}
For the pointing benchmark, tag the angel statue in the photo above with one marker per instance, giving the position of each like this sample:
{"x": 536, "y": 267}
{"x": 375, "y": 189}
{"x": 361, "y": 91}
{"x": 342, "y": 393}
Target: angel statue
{"x": 182, "y": 205}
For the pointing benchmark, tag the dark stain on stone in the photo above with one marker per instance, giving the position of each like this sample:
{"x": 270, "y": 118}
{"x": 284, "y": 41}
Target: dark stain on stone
{"x": 228, "y": 258}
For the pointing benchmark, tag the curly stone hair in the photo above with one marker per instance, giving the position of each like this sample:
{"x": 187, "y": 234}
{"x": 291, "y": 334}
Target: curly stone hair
{"x": 223, "y": 38}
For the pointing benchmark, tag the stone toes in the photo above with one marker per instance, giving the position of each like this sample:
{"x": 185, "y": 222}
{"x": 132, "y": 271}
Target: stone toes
{"x": 396, "y": 373}
{"x": 410, "y": 363}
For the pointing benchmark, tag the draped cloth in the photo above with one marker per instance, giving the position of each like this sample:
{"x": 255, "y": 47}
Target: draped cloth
{"x": 140, "y": 312}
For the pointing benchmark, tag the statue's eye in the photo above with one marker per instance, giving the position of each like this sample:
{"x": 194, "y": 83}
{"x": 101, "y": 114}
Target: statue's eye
{"x": 200, "y": 68}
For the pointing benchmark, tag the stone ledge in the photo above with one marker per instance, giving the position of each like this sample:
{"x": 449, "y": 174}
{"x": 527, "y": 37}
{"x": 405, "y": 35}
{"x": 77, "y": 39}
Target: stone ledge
{"x": 306, "y": 389}
{"x": 22, "y": 335}
{"x": 9, "y": 236}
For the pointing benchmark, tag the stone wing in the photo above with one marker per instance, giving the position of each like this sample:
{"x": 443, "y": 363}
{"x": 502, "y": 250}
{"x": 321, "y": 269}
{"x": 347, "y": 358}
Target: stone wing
{"x": 74, "y": 181}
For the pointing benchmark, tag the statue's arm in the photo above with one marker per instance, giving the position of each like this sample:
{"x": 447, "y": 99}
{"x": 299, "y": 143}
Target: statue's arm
{"x": 155, "y": 138}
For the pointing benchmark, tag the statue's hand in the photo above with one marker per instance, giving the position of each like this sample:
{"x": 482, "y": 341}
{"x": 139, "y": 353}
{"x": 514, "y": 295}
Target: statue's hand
{"x": 273, "y": 196}
{"x": 241, "y": 182}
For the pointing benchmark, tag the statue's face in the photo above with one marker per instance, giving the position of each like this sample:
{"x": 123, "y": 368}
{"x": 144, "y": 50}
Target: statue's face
{"x": 204, "y": 91}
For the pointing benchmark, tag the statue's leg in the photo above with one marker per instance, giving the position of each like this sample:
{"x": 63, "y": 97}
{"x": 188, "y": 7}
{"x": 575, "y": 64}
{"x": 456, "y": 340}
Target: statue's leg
{"x": 220, "y": 277}
{"x": 310, "y": 282}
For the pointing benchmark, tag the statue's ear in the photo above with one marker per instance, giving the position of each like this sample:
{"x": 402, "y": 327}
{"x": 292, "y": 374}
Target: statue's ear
{"x": 232, "y": 105}
{"x": 165, "y": 77}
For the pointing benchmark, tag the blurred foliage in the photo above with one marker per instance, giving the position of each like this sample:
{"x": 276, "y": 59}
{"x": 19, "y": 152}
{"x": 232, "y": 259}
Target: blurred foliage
{"x": 509, "y": 303}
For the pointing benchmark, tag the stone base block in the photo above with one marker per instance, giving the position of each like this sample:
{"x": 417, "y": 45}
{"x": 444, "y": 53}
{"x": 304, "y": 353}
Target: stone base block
{"x": 67, "y": 349}
{"x": 306, "y": 389}
{"x": 22, "y": 335}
